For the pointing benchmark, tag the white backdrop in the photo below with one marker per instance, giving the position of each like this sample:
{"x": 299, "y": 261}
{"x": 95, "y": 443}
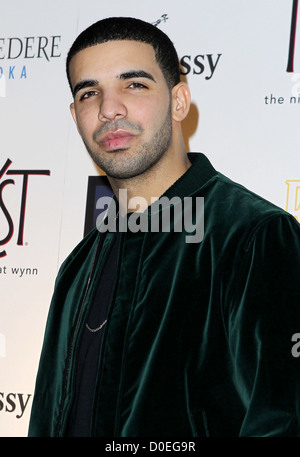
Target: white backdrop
{"x": 244, "y": 117}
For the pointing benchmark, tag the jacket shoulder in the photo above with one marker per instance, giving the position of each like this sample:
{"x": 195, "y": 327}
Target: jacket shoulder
{"x": 240, "y": 203}
{"x": 233, "y": 212}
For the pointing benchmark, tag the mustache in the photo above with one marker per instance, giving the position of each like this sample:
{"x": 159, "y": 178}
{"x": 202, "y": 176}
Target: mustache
{"x": 118, "y": 124}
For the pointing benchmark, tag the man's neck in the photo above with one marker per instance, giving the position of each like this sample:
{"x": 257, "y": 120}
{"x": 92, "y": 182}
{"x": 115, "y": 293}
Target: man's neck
{"x": 136, "y": 194}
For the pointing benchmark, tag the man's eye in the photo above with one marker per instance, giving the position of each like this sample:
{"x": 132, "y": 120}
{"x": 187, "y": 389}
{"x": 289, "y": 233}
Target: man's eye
{"x": 88, "y": 94}
{"x": 137, "y": 86}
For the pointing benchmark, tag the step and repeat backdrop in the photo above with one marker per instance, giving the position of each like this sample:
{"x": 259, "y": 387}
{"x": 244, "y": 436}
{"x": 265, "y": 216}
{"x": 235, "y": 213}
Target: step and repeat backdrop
{"x": 241, "y": 60}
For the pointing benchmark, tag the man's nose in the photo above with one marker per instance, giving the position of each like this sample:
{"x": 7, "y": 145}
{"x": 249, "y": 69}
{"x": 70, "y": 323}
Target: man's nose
{"x": 111, "y": 107}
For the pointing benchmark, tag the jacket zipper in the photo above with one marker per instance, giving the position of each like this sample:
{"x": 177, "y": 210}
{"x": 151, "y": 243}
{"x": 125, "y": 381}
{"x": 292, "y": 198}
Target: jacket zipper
{"x": 68, "y": 364}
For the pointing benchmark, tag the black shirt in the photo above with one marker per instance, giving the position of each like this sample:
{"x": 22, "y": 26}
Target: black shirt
{"x": 79, "y": 423}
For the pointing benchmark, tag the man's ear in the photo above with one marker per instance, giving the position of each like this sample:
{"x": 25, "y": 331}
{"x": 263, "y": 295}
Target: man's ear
{"x": 72, "y": 109}
{"x": 73, "y": 112}
{"x": 181, "y": 101}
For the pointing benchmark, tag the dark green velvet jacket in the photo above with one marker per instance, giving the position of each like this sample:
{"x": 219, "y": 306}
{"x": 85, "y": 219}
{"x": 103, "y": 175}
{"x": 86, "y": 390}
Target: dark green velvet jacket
{"x": 199, "y": 336}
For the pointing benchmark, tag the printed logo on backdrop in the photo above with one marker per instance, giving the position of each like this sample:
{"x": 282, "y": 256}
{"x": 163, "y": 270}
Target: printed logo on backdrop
{"x": 200, "y": 64}
{"x": 14, "y": 403}
{"x": 294, "y": 41}
{"x": 293, "y": 197}
{"x": 197, "y": 64}
{"x": 16, "y": 53}
{"x": 8, "y": 225}
{"x": 290, "y": 65}
{"x": 293, "y": 99}
{"x": 163, "y": 18}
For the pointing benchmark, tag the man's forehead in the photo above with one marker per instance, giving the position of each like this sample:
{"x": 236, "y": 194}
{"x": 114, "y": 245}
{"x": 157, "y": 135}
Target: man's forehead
{"x": 116, "y": 57}
{"x": 113, "y": 51}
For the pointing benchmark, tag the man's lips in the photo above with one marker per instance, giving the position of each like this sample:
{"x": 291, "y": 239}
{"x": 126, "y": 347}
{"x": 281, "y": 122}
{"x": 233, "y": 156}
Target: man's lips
{"x": 119, "y": 139}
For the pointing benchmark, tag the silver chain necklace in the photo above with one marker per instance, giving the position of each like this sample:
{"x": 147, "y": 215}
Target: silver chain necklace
{"x": 93, "y": 330}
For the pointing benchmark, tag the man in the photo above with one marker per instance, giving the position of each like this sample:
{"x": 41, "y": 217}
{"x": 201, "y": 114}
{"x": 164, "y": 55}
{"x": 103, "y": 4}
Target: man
{"x": 152, "y": 333}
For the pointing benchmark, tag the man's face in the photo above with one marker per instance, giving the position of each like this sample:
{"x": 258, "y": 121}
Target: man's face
{"x": 122, "y": 106}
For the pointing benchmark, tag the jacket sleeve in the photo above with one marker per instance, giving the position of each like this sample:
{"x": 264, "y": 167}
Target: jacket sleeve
{"x": 264, "y": 321}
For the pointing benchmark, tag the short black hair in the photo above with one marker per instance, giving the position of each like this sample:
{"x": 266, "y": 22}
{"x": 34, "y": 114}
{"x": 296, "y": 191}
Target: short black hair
{"x": 127, "y": 28}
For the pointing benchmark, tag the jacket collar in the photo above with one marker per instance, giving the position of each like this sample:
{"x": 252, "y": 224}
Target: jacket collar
{"x": 199, "y": 173}
{"x": 194, "y": 178}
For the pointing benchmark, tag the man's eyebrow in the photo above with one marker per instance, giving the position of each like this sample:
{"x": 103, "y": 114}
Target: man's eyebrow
{"x": 126, "y": 75}
{"x": 83, "y": 84}
{"x": 136, "y": 74}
